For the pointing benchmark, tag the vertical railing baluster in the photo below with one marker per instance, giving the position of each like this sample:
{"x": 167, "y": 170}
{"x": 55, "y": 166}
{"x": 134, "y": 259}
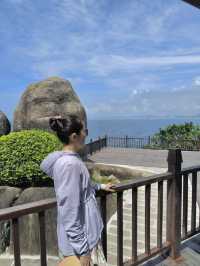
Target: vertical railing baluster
{"x": 16, "y": 241}
{"x": 194, "y": 200}
{"x": 134, "y": 224}
{"x": 43, "y": 255}
{"x": 185, "y": 205}
{"x": 147, "y": 218}
{"x": 90, "y": 145}
{"x": 160, "y": 214}
{"x": 104, "y": 218}
{"x": 169, "y": 204}
{"x": 120, "y": 228}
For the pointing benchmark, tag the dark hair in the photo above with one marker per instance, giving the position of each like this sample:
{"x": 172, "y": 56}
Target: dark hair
{"x": 64, "y": 127}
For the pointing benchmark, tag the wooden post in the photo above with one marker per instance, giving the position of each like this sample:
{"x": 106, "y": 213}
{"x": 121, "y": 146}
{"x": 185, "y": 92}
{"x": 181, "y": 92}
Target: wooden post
{"x": 174, "y": 190}
{"x": 103, "y": 200}
{"x": 43, "y": 252}
{"x": 16, "y": 241}
{"x": 120, "y": 228}
{"x": 91, "y": 147}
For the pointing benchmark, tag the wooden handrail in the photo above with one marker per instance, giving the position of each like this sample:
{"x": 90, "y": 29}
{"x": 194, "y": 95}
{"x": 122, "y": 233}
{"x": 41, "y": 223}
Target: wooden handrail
{"x": 142, "y": 181}
{"x": 190, "y": 169}
{"x": 27, "y": 208}
{"x": 175, "y": 177}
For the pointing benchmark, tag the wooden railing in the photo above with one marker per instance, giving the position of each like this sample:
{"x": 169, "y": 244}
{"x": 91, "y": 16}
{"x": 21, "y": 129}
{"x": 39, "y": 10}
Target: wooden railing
{"x": 14, "y": 213}
{"x": 176, "y": 179}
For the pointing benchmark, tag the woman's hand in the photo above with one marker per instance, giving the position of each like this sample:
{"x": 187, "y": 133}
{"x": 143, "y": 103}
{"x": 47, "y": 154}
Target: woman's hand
{"x": 85, "y": 260}
{"x": 107, "y": 187}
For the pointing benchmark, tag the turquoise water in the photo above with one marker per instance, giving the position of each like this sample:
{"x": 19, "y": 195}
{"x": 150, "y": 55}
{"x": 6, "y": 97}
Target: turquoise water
{"x": 131, "y": 127}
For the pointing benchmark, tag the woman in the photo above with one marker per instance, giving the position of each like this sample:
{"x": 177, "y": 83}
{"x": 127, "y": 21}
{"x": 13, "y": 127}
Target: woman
{"x": 79, "y": 222}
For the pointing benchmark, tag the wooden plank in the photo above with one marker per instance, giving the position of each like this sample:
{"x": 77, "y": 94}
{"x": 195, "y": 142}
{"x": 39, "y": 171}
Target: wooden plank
{"x": 120, "y": 228}
{"x": 27, "y": 208}
{"x": 43, "y": 255}
{"x": 142, "y": 181}
{"x": 147, "y": 218}
{"x": 194, "y": 200}
{"x": 104, "y": 218}
{"x": 174, "y": 202}
{"x": 160, "y": 214}
{"x": 169, "y": 204}
{"x": 134, "y": 224}
{"x": 16, "y": 241}
{"x": 143, "y": 257}
{"x": 190, "y": 169}
{"x": 190, "y": 233}
{"x": 185, "y": 204}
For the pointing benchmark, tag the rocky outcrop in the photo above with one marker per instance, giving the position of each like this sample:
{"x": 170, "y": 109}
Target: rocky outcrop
{"x": 29, "y": 224}
{"x": 4, "y": 124}
{"x": 42, "y": 100}
{"x": 7, "y": 196}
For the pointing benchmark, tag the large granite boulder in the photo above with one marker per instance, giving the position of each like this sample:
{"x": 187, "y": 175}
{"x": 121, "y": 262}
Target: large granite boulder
{"x": 42, "y": 100}
{"x": 4, "y": 124}
{"x": 7, "y": 196}
{"x": 29, "y": 224}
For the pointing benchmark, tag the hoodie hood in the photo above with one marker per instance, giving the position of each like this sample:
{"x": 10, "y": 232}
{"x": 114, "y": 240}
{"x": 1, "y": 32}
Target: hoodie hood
{"x": 48, "y": 162}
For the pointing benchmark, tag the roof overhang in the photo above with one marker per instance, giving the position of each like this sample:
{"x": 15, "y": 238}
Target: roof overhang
{"x": 193, "y": 2}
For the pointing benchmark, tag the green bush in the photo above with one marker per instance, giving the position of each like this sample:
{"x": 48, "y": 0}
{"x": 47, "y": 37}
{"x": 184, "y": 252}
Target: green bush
{"x": 21, "y": 153}
{"x": 185, "y": 136}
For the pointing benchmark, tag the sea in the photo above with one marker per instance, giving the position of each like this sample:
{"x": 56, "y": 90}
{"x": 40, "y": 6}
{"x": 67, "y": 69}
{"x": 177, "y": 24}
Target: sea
{"x": 131, "y": 127}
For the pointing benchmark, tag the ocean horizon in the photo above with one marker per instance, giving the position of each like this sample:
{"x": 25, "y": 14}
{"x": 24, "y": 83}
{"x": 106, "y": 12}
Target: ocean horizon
{"x": 133, "y": 127}
{"x": 137, "y": 127}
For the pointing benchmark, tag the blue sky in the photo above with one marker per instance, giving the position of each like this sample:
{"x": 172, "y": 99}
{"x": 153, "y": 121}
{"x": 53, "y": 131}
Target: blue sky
{"x": 123, "y": 58}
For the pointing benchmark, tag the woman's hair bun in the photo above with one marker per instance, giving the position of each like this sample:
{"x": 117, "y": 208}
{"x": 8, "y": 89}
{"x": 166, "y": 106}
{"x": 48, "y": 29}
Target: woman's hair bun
{"x": 56, "y": 123}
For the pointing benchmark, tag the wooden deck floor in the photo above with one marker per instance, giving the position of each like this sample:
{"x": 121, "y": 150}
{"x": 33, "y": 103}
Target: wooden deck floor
{"x": 190, "y": 255}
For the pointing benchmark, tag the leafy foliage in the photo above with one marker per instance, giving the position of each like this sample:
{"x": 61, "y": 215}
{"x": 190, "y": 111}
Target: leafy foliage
{"x": 185, "y": 136}
{"x": 21, "y": 153}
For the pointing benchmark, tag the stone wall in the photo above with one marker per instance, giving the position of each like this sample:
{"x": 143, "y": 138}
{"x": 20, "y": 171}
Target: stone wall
{"x": 28, "y": 224}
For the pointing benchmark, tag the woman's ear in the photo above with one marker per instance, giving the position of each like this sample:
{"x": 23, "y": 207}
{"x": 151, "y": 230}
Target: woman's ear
{"x": 73, "y": 136}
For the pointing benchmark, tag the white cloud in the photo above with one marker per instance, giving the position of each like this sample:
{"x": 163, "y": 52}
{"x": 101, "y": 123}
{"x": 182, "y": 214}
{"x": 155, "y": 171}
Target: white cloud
{"x": 157, "y": 103}
{"x": 197, "y": 81}
{"x": 133, "y": 48}
{"x": 134, "y": 92}
{"x": 106, "y": 65}
{"x": 79, "y": 35}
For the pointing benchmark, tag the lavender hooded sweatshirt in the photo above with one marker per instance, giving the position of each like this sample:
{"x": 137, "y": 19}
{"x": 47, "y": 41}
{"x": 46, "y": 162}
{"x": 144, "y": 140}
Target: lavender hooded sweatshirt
{"x": 79, "y": 221}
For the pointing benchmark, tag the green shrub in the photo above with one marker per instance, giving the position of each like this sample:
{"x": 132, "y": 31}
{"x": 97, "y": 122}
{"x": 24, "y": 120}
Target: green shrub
{"x": 184, "y": 136}
{"x": 21, "y": 153}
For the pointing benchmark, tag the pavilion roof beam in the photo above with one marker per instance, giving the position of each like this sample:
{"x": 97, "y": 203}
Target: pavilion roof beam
{"x": 193, "y": 2}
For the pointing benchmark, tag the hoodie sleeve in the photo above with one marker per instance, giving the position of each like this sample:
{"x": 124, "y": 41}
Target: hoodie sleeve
{"x": 96, "y": 186}
{"x": 69, "y": 194}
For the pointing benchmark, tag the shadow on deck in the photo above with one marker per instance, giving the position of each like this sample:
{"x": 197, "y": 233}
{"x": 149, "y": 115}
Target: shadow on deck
{"x": 190, "y": 255}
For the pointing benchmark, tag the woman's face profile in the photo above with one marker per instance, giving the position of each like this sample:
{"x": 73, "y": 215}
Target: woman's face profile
{"x": 79, "y": 140}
